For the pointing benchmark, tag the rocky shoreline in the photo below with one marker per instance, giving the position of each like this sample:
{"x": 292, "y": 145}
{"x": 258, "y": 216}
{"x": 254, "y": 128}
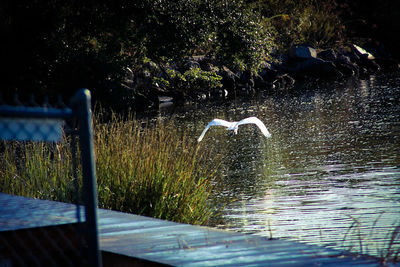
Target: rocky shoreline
{"x": 299, "y": 63}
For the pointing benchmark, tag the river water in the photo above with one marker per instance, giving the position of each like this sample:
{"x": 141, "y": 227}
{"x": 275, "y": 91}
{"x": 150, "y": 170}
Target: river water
{"x": 330, "y": 174}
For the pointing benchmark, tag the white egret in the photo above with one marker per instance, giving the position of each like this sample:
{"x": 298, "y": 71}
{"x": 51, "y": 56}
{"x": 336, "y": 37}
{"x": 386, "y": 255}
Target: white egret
{"x": 234, "y": 125}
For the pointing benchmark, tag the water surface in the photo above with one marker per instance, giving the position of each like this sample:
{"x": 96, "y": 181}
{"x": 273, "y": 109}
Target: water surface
{"x": 330, "y": 174}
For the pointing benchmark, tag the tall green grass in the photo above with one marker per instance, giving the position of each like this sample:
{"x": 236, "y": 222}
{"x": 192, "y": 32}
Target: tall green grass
{"x": 37, "y": 170}
{"x": 154, "y": 171}
{"x": 145, "y": 169}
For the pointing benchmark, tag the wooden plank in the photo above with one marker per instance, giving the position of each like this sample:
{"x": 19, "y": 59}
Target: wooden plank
{"x": 126, "y": 236}
{"x": 18, "y": 212}
{"x": 180, "y": 244}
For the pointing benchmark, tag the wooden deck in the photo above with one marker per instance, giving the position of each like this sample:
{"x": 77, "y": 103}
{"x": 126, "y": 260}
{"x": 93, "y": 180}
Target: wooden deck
{"x": 133, "y": 240}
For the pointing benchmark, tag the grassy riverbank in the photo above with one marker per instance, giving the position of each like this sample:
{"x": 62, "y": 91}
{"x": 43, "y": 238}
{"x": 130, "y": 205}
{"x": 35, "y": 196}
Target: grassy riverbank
{"x": 144, "y": 169}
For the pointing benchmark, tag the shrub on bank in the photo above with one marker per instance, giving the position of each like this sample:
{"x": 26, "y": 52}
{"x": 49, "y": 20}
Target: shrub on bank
{"x": 312, "y": 22}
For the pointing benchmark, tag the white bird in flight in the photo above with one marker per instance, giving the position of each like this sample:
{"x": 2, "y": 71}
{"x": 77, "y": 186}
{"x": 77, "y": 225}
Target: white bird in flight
{"x": 233, "y": 126}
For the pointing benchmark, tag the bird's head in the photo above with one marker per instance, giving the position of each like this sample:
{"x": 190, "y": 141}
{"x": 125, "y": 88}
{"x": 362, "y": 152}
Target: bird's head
{"x": 233, "y": 132}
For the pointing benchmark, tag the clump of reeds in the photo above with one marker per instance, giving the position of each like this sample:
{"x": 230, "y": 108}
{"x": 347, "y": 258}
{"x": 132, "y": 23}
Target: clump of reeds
{"x": 147, "y": 170}
{"x": 154, "y": 171}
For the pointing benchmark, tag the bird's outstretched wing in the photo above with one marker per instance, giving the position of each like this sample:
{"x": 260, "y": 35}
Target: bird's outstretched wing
{"x": 257, "y": 122}
{"x": 214, "y": 122}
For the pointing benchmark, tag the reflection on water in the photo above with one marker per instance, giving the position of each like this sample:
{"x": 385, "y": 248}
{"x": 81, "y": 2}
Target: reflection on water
{"x": 329, "y": 175}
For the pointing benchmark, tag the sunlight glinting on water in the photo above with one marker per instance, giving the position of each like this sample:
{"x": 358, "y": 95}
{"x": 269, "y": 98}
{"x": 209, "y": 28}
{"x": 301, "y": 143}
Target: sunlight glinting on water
{"x": 330, "y": 174}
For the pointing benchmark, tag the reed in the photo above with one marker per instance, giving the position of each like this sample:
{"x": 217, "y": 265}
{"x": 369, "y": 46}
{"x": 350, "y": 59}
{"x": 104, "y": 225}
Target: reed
{"x": 143, "y": 168}
{"x": 387, "y": 250}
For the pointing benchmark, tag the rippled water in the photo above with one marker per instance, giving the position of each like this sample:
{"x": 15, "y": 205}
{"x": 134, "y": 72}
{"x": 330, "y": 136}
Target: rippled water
{"x": 330, "y": 174}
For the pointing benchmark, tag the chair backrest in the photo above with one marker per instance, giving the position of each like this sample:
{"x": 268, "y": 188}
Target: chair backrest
{"x": 48, "y": 124}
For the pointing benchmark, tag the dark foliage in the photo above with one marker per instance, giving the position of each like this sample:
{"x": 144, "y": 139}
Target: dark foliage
{"x": 52, "y": 47}
{"x": 375, "y": 22}
{"x": 56, "y": 47}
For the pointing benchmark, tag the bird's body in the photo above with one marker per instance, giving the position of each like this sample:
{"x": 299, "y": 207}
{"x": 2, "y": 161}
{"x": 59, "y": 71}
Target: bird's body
{"x": 234, "y": 125}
